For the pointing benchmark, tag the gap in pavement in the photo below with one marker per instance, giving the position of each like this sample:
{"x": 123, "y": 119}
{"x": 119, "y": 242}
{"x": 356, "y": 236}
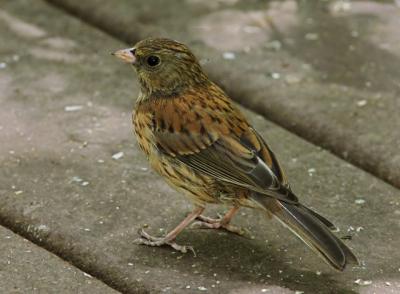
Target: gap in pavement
{"x": 20, "y": 229}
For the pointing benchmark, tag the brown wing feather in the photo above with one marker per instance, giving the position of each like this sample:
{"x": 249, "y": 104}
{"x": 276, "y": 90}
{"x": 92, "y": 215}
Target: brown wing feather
{"x": 208, "y": 133}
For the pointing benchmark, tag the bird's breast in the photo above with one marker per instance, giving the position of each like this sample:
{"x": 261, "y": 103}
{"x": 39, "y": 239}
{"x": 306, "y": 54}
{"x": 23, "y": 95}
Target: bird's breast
{"x": 143, "y": 129}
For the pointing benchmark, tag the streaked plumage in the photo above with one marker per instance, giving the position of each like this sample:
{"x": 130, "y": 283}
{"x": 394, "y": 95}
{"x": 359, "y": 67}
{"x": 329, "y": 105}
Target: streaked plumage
{"x": 201, "y": 143}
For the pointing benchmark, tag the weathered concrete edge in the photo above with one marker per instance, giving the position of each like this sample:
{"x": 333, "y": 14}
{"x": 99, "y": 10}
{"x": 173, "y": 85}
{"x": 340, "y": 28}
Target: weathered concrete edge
{"x": 75, "y": 255}
{"x": 32, "y": 268}
{"x": 353, "y": 155}
{"x": 112, "y": 27}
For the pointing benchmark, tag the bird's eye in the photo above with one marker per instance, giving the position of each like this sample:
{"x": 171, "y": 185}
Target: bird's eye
{"x": 133, "y": 51}
{"x": 153, "y": 60}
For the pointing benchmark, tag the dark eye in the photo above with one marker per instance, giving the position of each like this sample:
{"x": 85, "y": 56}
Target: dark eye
{"x": 133, "y": 51}
{"x": 153, "y": 60}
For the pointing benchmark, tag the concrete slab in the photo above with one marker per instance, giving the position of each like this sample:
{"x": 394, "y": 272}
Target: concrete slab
{"x": 27, "y": 268}
{"x": 326, "y": 70}
{"x": 65, "y": 111}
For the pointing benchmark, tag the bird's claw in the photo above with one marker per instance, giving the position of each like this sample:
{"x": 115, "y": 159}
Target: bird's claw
{"x": 205, "y": 222}
{"x": 146, "y": 239}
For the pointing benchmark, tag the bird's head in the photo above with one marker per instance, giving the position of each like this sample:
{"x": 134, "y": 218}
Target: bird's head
{"x": 164, "y": 67}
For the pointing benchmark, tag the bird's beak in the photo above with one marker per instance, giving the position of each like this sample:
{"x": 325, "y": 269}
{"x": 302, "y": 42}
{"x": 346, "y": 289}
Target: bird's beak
{"x": 126, "y": 55}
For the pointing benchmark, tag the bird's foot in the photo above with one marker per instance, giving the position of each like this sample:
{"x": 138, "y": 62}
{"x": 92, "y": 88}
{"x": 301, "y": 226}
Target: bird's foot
{"x": 204, "y": 222}
{"x": 146, "y": 239}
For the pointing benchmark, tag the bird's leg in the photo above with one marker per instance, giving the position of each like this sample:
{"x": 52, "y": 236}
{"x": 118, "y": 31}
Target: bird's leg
{"x": 169, "y": 239}
{"x": 204, "y": 222}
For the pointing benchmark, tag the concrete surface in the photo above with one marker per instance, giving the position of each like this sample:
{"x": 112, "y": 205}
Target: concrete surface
{"x": 326, "y": 70}
{"x": 65, "y": 111}
{"x": 27, "y": 268}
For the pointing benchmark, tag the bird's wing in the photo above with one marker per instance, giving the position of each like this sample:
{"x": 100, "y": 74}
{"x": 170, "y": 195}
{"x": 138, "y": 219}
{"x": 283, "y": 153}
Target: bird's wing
{"x": 215, "y": 139}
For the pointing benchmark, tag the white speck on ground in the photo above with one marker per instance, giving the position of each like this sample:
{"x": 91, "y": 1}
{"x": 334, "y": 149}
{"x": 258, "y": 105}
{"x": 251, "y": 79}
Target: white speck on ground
{"x": 361, "y": 103}
{"x": 69, "y": 108}
{"x": 202, "y": 288}
{"x": 359, "y": 201}
{"x": 276, "y": 75}
{"x": 311, "y": 170}
{"x": 76, "y": 179}
{"x": 311, "y": 36}
{"x": 341, "y": 6}
{"x": 362, "y": 282}
{"x": 118, "y": 155}
{"x": 229, "y": 55}
{"x": 3, "y": 65}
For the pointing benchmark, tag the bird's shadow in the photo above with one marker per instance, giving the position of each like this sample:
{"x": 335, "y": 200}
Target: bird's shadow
{"x": 234, "y": 258}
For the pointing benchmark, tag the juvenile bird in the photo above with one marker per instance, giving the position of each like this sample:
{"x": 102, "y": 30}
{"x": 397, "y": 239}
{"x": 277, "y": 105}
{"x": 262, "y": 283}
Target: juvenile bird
{"x": 200, "y": 142}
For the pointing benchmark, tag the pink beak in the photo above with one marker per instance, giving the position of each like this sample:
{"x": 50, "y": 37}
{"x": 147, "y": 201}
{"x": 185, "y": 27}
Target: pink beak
{"x": 126, "y": 55}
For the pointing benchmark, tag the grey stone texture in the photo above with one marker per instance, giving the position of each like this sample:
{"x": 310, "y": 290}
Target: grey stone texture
{"x": 27, "y": 268}
{"x": 66, "y": 110}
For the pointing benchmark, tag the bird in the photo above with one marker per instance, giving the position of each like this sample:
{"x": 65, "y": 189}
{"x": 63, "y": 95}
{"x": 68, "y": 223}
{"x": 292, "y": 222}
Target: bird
{"x": 201, "y": 143}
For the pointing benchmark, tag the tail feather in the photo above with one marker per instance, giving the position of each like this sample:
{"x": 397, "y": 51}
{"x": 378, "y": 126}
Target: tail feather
{"x": 312, "y": 229}
{"x": 321, "y": 218}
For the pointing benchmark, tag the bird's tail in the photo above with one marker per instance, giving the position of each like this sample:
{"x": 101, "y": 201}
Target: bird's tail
{"x": 311, "y": 228}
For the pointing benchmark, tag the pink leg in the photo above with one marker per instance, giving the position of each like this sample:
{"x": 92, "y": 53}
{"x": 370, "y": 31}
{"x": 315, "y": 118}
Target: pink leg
{"x": 146, "y": 239}
{"x": 205, "y": 222}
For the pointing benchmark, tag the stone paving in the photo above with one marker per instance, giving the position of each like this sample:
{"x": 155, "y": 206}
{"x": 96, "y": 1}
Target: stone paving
{"x": 27, "y": 268}
{"x": 73, "y": 182}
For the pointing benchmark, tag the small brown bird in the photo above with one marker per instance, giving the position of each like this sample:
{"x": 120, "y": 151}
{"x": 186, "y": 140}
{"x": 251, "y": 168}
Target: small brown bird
{"x": 201, "y": 143}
